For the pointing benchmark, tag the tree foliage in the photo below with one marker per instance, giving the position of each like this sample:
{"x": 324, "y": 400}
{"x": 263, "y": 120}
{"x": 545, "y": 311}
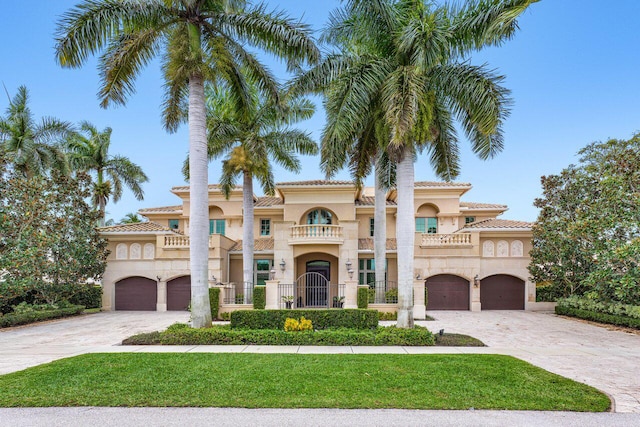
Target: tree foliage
{"x": 587, "y": 237}
{"x": 48, "y": 238}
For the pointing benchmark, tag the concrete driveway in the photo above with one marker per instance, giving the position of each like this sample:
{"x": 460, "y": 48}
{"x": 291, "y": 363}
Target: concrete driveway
{"x": 32, "y": 345}
{"x": 603, "y": 358}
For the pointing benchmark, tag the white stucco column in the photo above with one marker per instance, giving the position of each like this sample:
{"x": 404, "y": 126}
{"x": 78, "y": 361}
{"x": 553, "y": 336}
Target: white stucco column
{"x": 475, "y": 295}
{"x": 351, "y": 294}
{"x": 271, "y": 294}
{"x": 161, "y": 304}
{"x": 419, "y": 308}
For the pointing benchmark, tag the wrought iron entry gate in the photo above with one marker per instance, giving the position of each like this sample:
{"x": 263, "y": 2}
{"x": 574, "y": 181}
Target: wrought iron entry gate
{"x": 312, "y": 290}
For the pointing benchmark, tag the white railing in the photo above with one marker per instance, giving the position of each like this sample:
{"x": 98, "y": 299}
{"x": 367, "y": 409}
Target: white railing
{"x": 181, "y": 242}
{"x": 457, "y": 239}
{"x": 316, "y": 233}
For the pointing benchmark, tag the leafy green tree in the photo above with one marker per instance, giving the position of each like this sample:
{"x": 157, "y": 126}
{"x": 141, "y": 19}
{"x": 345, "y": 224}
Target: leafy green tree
{"x": 250, "y": 140}
{"x": 405, "y": 70}
{"x": 199, "y": 41}
{"x": 88, "y": 151}
{"x": 49, "y": 242}
{"x": 587, "y": 237}
{"x": 32, "y": 147}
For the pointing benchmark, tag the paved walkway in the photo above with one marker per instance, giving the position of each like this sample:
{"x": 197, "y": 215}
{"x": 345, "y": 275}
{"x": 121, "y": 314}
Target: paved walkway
{"x": 606, "y": 359}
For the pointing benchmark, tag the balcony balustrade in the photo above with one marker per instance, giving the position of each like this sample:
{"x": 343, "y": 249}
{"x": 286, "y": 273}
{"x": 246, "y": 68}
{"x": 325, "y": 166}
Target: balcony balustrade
{"x": 316, "y": 234}
{"x": 446, "y": 240}
{"x": 181, "y": 242}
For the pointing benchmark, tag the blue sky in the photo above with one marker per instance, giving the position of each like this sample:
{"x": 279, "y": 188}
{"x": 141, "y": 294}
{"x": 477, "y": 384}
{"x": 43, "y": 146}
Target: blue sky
{"x": 572, "y": 69}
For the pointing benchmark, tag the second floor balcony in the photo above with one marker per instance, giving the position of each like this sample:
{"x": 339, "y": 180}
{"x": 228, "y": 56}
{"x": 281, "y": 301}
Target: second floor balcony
{"x": 446, "y": 240}
{"x": 182, "y": 242}
{"x": 316, "y": 234}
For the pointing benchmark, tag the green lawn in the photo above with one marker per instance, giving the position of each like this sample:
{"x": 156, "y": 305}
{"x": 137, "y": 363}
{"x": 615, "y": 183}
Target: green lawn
{"x": 297, "y": 381}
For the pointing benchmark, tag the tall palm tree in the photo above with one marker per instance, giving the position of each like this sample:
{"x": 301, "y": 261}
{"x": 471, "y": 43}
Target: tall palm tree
{"x": 31, "y": 147}
{"x": 410, "y": 65}
{"x": 250, "y": 139}
{"x": 198, "y": 40}
{"x": 88, "y": 151}
{"x": 131, "y": 218}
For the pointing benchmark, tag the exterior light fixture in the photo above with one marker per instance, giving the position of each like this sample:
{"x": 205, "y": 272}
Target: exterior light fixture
{"x": 418, "y": 276}
{"x": 213, "y": 278}
{"x": 348, "y": 263}
{"x": 282, "y": 265}
{"x": 158, "y": 277}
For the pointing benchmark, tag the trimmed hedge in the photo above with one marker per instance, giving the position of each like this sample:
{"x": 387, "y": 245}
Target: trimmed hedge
{"x": 181, "y": 334}
{"x": 592, "y": 304}
{"x": 88, "y": 295}
{"x": 322, "y": 319}
{"x": 613, "y": 319}
{"x": 363, "y": 298}
{"x": 259, "y": 297}
{"x": 214, "y": 301}
{"x": 15, "y": 319}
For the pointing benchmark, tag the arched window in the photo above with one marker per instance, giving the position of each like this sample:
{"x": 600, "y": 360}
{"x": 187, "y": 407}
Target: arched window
{"x": 319, "y": 216}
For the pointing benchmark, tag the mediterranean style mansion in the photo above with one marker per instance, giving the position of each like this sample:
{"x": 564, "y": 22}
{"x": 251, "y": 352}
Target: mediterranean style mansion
{"x": 314, "y": 248}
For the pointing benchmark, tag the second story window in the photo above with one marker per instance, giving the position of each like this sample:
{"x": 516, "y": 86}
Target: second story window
{"x": 174, "y": 224}
{"x": 469, "y": 219}
{"x": 319, "y": 216}
{"x": 371, "y": 227}
{"x": 265, "y": 227}
{"x": 216, "y": 226}
{"x": 427, "y": 225}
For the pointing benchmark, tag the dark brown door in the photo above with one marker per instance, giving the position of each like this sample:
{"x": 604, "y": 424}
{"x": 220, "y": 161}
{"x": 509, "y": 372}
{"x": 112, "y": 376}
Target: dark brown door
{"x": 447, "y": 292}
{"x": 179, "y": 293}
{"x": 502, "y": 292}
{"x": 136, "y": 293}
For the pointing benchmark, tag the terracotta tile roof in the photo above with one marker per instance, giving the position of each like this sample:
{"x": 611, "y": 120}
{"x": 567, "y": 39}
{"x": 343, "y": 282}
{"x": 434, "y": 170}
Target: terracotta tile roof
{"x": 498, "y": 224}
{"x": 367, "y": 244}
{"x": 267, "y": 201}
{"x": 183, "y": 188}
{"x": 371, "y": 201}
{"x": 137, "y": 227}
{"x": 440, "y": 184}
{"x": 315, "y": 182}
{"x": 474, "y": 205}
{"x": 161, "y": 209}
{"x": 259, "y": 245}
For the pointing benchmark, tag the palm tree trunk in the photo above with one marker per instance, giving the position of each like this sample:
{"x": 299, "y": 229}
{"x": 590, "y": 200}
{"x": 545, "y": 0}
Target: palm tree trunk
{"x": 380, "y": 234}
{"x": 247, "y": 235}
{"x": 405, "y": 234}
{"x": 101, "y": 201}
{"x": 199, "y": 205}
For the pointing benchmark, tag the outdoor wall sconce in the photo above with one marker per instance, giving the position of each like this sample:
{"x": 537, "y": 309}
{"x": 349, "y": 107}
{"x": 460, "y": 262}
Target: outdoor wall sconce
{"x": 476, "y": 281}
{"x": 213, "y": 278}
{"x": 282, "y": 265}
{"x": 418, "y": 276}
{"x": 158, "y": 277}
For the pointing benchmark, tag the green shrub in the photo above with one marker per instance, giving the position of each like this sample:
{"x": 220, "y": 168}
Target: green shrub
{"x": 322, "y": 319}
{"x": 31, "y": 316}
{"x": 391, "y": 296}
{"x": 590, "y": 302}
{"x": 224, "y": 335}
{"x": 383, "y": 315}
{"x": 547, "y": 293}
{"x": 613, "y": 319}
{"x": 239, "y": 299}
{"x": 88, "y": 295}
{"x": 225, "y": 316}
{"x": 214, "y": 301}
{"x": 259, "y": 297}
{"x": 363, "y": 297}
{"x": 371, "y": 295}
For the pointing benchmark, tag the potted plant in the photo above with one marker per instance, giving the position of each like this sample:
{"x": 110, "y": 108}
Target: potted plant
{"x": 338, "y": 302}
{"x": 288, "y": 301}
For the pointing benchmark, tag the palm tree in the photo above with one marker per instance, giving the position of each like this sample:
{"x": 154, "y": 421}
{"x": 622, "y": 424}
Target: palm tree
{"x": 250, "y": 139}
{"x": 199, "y": 40}
{"x": 32, "y": 148}
{"x": 131, "y": 218}
{"x": 410, "y": 65}
{"x": 88, "y": 151}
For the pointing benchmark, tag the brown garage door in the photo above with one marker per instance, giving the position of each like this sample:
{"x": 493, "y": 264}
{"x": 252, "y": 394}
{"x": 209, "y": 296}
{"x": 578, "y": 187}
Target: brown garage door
{"x": 179, "y": 293}
{"x": 136, "y": 293}
{"x": 447, "y": 292}
{"x": 502, "y": 292}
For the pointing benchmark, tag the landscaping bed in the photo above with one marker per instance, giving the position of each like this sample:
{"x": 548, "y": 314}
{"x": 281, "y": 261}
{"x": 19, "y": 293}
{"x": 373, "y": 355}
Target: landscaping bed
{"x": 182, "y": 334}
{"x": 31, "y": 316}
{"x": 610, "y": 313}
{"x": 297, "y": 381}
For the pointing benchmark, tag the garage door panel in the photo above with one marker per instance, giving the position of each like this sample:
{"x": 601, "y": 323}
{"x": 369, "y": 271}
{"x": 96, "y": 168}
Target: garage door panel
{"x": 179, "y": 293}
{"x": 502, "y": 292}
{"x": 136, "y": 293}
{"x": 447, "y": 292}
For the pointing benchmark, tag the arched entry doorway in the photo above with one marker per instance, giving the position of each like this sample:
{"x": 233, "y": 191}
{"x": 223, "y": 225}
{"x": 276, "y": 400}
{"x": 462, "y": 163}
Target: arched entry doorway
{"x": 447, "y": 292}
{"x": 136, "y": 293}
{"x": 313, "y": 285}
{"x": 179, "y": 293}
{"x": 502, "y": 292}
